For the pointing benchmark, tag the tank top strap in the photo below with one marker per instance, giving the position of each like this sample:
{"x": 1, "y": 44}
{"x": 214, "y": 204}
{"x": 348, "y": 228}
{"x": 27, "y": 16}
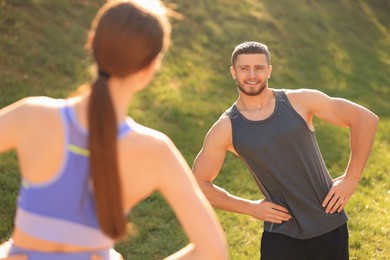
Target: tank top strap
{"x": 70, "y": 120}
{"x": 125, "y": 127}
{"x": 232, "y": 111}
{"x": 283, "y": 103}
{"x": 280, "y": 95}
{"x": 76, "y": 134}
{"x": 65, "y": 114}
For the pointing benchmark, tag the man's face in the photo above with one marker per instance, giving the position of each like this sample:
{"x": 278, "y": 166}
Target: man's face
{"x": 251, "y": 73}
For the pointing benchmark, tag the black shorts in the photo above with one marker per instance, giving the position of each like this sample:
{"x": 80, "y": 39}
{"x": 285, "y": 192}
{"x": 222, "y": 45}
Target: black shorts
{"x": 330, "y": 246}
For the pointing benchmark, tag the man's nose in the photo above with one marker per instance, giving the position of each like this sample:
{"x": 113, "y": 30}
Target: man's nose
{"x": 252, "y": 73}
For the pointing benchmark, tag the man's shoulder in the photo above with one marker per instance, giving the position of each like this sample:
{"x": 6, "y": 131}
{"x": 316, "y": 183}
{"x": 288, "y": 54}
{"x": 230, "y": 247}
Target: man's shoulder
{"x": 299, "y": 91}
{"x": 301, "y": 95}
{"x": 222, "y": 125}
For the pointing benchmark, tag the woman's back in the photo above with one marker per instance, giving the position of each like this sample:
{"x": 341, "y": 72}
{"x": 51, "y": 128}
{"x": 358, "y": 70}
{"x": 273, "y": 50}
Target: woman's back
{"x": 148, "y": 162}
{"x": 85, "y": 164}
{"x": 56, "y": 200}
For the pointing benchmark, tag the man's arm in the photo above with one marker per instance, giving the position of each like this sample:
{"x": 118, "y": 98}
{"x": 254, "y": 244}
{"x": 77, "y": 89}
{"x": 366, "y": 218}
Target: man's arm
{"x": 362, "y": 124}
{"x": 206, "y": 168}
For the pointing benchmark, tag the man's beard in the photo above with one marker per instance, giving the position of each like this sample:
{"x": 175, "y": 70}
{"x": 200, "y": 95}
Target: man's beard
{"x": 255, "y": 93}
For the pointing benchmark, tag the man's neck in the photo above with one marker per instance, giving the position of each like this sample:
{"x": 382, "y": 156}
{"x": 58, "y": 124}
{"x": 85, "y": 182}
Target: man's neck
{"x": 255, "y": 103}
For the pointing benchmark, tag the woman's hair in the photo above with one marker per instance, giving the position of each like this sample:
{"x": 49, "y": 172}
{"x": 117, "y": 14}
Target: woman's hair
{"x": 128, "y": 36}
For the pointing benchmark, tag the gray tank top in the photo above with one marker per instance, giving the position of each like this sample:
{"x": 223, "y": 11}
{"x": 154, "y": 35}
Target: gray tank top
{"x": 283, "y": 156}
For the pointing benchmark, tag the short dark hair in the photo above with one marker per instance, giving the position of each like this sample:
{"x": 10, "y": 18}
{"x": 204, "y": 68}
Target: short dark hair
{"x": 250, "y": 48}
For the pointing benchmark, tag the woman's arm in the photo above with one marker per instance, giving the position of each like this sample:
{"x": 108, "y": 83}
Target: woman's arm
{"x": 179, "y": 187}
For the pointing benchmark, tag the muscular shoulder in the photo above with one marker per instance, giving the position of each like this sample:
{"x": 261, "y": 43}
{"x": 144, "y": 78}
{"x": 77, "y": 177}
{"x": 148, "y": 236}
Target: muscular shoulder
{"x": 220, "y": 134}
{"x": 222, "y": 127}
{"x": 303, "y": 93}
{"x": 308, "y": 99}
{"x": 223, "y": 124}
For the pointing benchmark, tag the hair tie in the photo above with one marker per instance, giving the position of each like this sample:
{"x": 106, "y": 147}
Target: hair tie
{"x": 104, "y": 74}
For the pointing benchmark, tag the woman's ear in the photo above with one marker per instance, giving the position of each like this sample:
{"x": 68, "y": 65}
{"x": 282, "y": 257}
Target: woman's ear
{"x": 154, "y": 65}
{"x": 145, "y": 76}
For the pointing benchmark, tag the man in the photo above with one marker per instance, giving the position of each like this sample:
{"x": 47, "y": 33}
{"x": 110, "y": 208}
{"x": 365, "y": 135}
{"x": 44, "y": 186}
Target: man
{"x": 272, "y": 132}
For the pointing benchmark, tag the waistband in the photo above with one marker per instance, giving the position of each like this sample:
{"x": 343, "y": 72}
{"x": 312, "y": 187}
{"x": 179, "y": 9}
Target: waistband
{"x": 36, "y": 255}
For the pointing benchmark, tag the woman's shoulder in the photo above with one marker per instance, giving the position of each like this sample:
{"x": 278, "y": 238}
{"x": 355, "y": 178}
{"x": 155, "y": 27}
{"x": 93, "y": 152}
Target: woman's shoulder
{"x": 145, "y": 132}
{"x": 40, "y": 109}
{"x": 143, "y": 138}
{"x": 38, "y": 104}
{"x": 32, "y": 108}
{"x": 27, "y": 120}
{"x": 45, "y": 102}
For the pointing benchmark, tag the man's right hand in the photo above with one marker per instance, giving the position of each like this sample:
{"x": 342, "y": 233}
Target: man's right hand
{"x": 269, "y": 212}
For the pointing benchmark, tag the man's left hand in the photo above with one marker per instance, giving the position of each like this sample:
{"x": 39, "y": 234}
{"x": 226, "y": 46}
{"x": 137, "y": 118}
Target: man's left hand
{"x": 338, "y": 196}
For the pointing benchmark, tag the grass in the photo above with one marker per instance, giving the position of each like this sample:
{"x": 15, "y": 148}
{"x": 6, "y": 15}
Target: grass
{"x": 339, "y": 47}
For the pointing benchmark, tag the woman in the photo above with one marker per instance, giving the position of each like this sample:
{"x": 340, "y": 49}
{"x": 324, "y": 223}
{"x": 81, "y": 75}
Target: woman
{"x": 84, "y": 164}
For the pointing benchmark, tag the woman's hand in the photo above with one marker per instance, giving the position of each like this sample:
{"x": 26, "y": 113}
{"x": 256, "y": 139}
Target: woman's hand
{"x": 4, "y": 251}
{"x": 114, "y": 255}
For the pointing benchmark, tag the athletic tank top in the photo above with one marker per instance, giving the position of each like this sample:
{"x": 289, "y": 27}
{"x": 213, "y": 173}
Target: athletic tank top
{"x": 62, "y": 210}
{"x": 283, "y": 156}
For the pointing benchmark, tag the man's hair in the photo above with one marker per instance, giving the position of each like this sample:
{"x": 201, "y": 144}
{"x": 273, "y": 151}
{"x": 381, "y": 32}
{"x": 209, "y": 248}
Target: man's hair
{"x": 250, "y": 48}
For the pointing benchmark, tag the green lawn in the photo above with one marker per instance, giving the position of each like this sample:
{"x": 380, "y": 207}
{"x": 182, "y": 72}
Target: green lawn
{"x": 339, "y": 47}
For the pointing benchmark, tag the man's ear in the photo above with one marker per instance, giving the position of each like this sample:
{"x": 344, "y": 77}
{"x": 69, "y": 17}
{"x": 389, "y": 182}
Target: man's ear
{"x": 270, "y": 71}
{"x": 233, "y": 72}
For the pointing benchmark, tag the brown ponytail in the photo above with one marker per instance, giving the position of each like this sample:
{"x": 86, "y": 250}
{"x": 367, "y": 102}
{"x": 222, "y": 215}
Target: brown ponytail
{"x": 128, "y": 36}
{"x": 103, "y": 160}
